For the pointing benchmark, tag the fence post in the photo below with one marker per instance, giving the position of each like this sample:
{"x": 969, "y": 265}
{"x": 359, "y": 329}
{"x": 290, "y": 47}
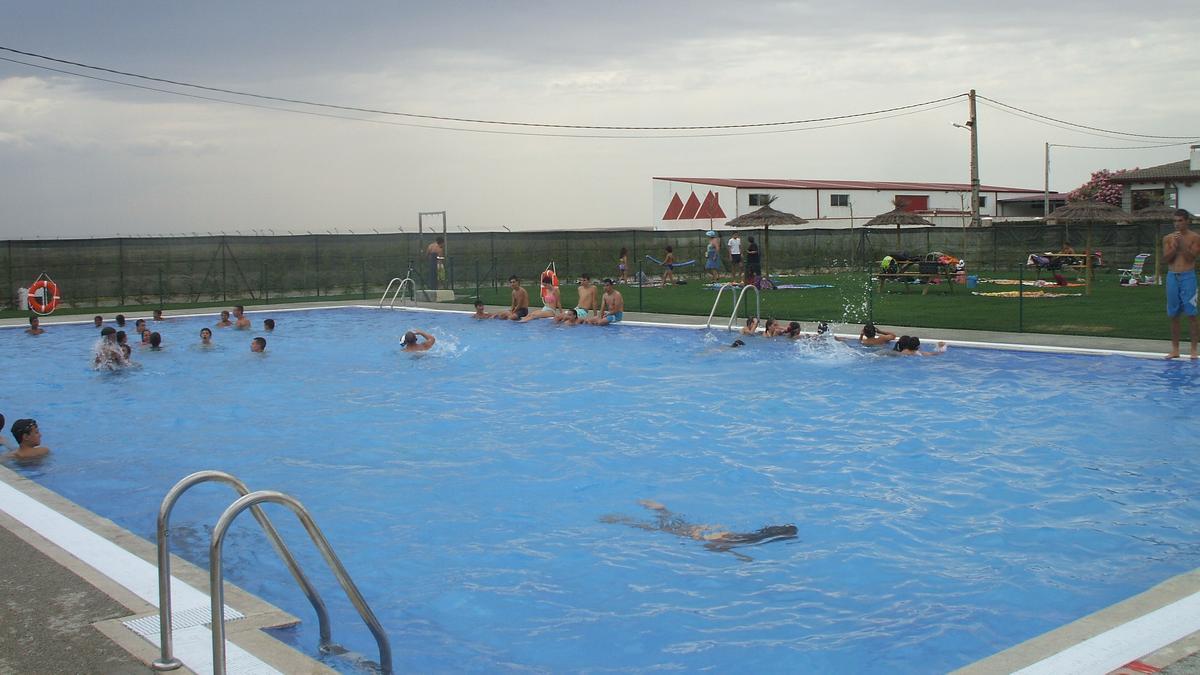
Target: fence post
{"x": 1021, "y": 298}
{"x": 161, "y": 294}
{"x": 450, "y": 273}
{"x": 222, "y": 245}
{"x": 317, "y": 261}
{"x": 477, "y": 278}
{"x": 641, "y": 306}
{"x": 121, "y": 271}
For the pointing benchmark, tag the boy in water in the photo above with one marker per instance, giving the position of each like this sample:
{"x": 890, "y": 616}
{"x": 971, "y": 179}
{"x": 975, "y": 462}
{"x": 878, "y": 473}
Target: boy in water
{"x": 224, "y": 322}
{"x": 411, "y": 344}
{"x": 206, "y": 336}
{"x": 29, "y": 441}
{"x": 716, "y": 538}
{"x": 258, "y": 345}
{"x": 481, "y": 311}
{"x": 239, "y": 313}
{"x": 35, "y": 326}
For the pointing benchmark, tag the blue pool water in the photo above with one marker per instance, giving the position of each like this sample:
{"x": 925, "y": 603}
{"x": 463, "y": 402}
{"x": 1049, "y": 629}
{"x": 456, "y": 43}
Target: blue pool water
{"x": 947, "y": 507}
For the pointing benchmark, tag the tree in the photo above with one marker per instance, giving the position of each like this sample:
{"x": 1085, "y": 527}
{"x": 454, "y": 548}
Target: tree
{"x": 1099, "y": 188}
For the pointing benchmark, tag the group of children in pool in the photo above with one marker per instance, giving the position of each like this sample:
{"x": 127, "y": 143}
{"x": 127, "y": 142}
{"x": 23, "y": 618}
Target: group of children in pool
{"x": 113, "y": 351}
{"x": 869, "y": 336}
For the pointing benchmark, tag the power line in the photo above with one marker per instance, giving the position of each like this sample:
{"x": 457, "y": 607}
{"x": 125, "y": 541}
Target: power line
{"x": 911, "y": 111}
{"x": 1055, "y": 125}
{"x": 1081, "y": 126}
{"x": 445, "y": 118}
{"x": 1123, "y": 147}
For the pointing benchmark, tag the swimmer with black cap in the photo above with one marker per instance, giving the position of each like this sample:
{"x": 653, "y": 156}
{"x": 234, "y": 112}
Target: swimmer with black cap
{"x": 716, "y": 538}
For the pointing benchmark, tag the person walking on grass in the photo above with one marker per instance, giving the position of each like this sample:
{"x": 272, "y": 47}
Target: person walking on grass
{"x": 1180, "y": 249}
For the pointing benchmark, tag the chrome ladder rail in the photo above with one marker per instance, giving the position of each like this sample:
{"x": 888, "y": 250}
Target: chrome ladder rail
{"x": 720, "y": 291}
{"x": 738, "y": 304}
{"x": 217, "y": 587}
{"x": 406, "y": 281}
{"x": 167, "y": 660}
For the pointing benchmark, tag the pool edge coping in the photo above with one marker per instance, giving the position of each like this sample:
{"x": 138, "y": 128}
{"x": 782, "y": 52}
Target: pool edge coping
{"x": 247, "y": 633}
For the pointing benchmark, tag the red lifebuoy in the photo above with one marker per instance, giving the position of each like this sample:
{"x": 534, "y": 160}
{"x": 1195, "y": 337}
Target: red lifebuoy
{"x": 43, "y": 296}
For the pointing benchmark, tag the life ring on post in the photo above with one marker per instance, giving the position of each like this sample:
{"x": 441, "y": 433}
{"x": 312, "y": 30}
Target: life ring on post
{"x": 43, "y": 296}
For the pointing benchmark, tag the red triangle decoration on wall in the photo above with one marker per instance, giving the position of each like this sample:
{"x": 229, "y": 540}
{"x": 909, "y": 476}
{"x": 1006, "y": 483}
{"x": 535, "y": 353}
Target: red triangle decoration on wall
{"x": 711, "y": 208}
{"x": 673, "y": 208}
{"x": 690, "y": 209}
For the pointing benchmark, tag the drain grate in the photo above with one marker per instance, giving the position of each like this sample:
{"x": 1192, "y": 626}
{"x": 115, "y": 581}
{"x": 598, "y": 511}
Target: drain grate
{"x": 148, "y": 626}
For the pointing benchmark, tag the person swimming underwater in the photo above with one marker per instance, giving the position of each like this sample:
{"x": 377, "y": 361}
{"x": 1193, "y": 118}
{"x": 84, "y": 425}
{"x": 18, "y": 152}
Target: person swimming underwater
{"x": 715, "y": 538}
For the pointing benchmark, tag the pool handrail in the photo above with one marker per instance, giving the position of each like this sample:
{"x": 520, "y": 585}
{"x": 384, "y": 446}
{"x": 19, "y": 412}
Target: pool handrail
{"x": 738, "y": 304}
{"x": 720, "y": 291}
{"x": 217, "y": 587}
{"x": 167, "y": 660}
{"x": 406, "y": 281}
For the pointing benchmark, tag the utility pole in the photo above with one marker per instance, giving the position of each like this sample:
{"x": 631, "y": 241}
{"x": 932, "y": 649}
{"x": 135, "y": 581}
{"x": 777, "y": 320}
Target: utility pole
{"x": 1046, "y": 194}
{"x": 974, "y": 124}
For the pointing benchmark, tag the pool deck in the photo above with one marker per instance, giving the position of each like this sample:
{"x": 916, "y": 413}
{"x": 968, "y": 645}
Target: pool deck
{"x": 64, "y": 613}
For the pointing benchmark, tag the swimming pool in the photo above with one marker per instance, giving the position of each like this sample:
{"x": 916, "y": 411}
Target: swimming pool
{"x": 947, "y": 508}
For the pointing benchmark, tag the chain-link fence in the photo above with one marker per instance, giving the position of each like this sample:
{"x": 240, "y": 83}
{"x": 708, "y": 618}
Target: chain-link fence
{"x": 215, "y": 269}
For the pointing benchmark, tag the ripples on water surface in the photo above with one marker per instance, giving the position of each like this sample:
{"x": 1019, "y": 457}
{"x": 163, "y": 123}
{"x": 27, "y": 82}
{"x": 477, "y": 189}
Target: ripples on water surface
{"x": 947, "y": 508}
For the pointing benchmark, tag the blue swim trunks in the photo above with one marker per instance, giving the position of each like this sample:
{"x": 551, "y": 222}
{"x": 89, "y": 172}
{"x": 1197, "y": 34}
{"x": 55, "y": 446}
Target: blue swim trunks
{"x": 1181, "y": 293}
{"x": 581, "y": 312}
{"x": 614, "y": 317}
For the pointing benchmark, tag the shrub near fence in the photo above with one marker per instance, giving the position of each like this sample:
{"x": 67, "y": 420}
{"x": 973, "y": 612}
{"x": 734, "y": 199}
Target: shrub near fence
{"x": 161, "y": 270}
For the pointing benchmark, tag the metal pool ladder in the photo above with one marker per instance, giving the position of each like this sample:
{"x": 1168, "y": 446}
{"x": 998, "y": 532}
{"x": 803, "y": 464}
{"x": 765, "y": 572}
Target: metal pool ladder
{"x": 736, "y": 303}
{"x": 400, "y": 285}
{"x": 251, "y": 500}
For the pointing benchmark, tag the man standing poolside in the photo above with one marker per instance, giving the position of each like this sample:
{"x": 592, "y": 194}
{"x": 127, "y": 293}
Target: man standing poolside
{"x": 735, "y": 253}
{"x": 613, "y": 309}
{"x": 1180, "y": 249}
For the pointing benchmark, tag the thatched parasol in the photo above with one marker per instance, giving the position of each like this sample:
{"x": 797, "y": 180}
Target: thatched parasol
{"x": 763, "y": 218}
{"x": 898, "y": 217}
{"x": 1090, "y": 212}
{"x": 1154, "y": 214}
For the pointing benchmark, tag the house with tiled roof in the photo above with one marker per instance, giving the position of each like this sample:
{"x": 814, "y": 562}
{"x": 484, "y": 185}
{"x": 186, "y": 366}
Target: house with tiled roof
{"x": 703, "y": 203}
{"x": 1176, "y": 184}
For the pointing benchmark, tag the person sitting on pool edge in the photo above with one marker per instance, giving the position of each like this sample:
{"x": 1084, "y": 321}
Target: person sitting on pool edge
{"x": 551, "y": 301}
{"x": 586, "y": 305}
{"x": 29, "y": 441}
{"x": 613, "y": 306}
{"x": 239, "y": 313}
{"x": 871, "y": 336}
{"x": 410, "y": 341}
{"x": 716, "y": 538}
{"x": 258, "y": 345}
{"x": 35, "y": 326}
{"x": 909, "y": 345}
{"x": 520, "y": 301}
{"x": 224, "y": 322}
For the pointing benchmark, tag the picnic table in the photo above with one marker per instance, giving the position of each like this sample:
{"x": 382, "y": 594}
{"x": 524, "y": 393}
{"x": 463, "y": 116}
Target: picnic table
{"x": 924, "y": 272}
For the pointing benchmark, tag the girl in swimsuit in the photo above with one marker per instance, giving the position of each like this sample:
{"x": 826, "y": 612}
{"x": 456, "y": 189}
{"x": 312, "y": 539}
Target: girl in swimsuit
{"x": 623, "y": 263}
{"x": 551, "y": 303}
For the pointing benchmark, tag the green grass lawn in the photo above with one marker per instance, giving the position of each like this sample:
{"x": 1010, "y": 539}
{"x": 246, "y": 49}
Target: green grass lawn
{"x": 1110, "y": 311}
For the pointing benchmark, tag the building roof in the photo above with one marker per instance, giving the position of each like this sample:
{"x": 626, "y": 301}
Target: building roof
{"x": 788, "y": 184}
{"x": 1054, "y": 197}
{"x": 1156, "y": 173}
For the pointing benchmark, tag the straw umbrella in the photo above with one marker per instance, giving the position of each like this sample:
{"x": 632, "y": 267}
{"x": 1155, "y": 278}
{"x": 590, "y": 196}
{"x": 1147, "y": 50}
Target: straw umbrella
{"x": 763, "y": 218}
{"x": 898, "y": 217}
{"x": 1090, "y": 212}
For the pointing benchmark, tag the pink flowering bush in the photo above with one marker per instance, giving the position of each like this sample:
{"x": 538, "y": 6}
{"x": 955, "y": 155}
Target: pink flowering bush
{"x": 1099, "y": 188}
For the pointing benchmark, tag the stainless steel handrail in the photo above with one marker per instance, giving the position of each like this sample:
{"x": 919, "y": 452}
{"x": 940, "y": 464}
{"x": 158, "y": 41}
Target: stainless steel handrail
{"x": 720, "y": 291}
{"x": 399, "y": 289}
{"x": 217, "y": 587}
{"x": 738, "y": 304}
{"x": 167, "y": 660}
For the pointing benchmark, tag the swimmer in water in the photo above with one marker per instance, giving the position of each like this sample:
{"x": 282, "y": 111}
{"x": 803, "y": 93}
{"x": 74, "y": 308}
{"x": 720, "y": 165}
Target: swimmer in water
{"x": 909, "y": 345}
{"x": 35, "y": 326}
{"x": 481, "y": 311}
{"x": 751, "y": 327}
{"x": 872, "y": 336}
{"x": 715, "y": 538}
{"x": 410, "y": 341}
{"x": 224, "y": 322}
{"x": 258, "y": 345}
{"x": 206, "y": 336}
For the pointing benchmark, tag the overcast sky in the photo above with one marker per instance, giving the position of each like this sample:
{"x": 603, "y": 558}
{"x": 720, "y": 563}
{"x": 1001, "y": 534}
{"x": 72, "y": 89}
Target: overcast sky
{"x": 81, "y": 157}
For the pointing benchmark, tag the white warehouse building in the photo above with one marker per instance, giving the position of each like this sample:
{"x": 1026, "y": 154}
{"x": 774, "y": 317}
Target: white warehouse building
{"x": 702, "y": 203}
